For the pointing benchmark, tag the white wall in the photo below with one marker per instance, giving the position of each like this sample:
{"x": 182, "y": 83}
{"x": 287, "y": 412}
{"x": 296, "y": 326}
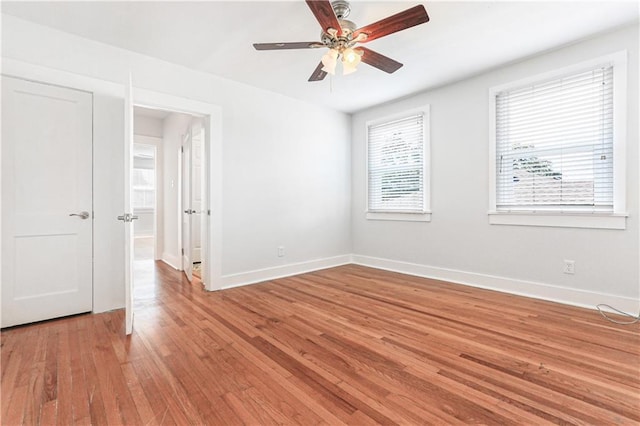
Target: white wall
{"x": 285, "y": 162}
{"x": 147, "y": 126}
{"x": 459, "y": 244}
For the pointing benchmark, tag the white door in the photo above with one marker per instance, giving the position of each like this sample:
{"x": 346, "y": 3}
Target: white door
{"x": 127, "y": 218}
{"x": 46, "y": 202}
{"x": 197, "y": 202}
{"x": 187, "y": 211}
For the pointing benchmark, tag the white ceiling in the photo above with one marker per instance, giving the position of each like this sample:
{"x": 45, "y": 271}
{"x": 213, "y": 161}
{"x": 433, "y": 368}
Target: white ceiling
{"x": 462, "y": 39}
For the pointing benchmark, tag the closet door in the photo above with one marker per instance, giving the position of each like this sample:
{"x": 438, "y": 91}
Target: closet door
{"x": 46, "y": 202}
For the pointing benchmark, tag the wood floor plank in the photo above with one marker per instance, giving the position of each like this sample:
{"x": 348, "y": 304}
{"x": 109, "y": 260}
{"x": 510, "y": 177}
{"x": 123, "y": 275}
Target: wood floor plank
{"x": 64, "y": 384}
{"x": 93, "y": 395}
{"x": 347, "y": 345}
{"x": 81, "y": 412}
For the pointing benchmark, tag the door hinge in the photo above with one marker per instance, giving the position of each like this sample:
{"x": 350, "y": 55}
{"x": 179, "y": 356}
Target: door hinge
{"x": 182, "y": 149}
{"x": 183, "y": 252}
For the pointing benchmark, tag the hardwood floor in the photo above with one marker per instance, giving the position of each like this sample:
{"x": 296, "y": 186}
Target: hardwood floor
{"x": 348, "y": 345}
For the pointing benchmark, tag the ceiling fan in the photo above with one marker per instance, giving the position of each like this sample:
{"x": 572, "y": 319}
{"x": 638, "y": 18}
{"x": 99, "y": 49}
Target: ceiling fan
{"x": 341, "y": 37}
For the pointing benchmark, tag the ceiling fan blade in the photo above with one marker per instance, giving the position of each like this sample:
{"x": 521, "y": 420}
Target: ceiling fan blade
{"x": 323, "y": 11}
{"x": 318, "y": 74}
{"x": 284, "y": 46}
{"x": 400, "y": 21}
{"x": 379, "y": 61}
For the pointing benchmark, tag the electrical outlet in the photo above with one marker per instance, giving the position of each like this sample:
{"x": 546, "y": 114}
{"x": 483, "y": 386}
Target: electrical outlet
{"x": 569, "y": 267}
{"x": 280, "y": 251}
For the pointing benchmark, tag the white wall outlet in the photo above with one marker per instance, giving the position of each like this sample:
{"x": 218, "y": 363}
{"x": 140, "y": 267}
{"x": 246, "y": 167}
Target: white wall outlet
{"x": 569, "y": 267}
{"x": 280, "y": 251}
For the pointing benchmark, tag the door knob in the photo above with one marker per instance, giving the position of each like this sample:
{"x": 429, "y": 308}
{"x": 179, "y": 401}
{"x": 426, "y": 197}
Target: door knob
{"x": 81, "y": 215}
{"x": 128, "y": 217}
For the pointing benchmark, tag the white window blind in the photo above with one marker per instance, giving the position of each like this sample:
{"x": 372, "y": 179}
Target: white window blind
{"x": 554, "y": 144}
{"x": 396, "y": 165}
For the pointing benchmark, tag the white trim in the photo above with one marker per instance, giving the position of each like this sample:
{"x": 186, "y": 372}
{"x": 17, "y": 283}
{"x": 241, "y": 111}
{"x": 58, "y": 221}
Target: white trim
{"x": 25, "y": 70}
{"x": 171, "y": 260}
{"x": 616, "y": 220}
{"x": 619, "y": 60}
{"x": 261, "y": 275}
{"x": 553, "y": 293}
{"x": 426, "y": 167}
{"x": 562, "y": 220}
{"x": 407, "y": 217}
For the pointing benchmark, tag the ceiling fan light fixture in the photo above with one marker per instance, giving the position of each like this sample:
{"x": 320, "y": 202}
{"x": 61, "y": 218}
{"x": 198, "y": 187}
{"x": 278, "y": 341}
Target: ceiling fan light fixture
{"x": 351, "y": 56}
{"x": 348, "y": 69}
{"x": 350, "y": 60}
{"x": 329, "y": 60}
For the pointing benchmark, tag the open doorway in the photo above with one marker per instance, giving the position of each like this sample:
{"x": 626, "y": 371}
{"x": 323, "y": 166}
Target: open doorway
{"x": 157, "y": 192}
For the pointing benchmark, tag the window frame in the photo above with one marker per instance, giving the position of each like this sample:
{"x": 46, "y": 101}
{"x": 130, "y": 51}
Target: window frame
{"x": 568, "y": 217}
{"x": 425, "y": 214}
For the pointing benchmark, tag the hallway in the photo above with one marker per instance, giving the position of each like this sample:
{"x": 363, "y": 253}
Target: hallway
{"x": 144, "y": 269}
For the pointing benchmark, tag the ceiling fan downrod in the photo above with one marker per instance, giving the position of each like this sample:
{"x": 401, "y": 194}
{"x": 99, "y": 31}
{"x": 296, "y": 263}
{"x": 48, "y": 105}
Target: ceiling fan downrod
{"x": 341, "y": 8}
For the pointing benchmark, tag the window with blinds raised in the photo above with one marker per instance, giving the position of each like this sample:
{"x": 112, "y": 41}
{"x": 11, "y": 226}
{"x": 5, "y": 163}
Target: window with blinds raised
{"x": 396, "y": 164}
{"x": 554, "y": 144}
{"x": 558, "y": 147}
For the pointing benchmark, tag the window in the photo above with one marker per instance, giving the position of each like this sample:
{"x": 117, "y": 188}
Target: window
{"x": 143, "y": 178}
{"x": 397, "y": 158}
{"x": 143, "y": 184}
{"x": 557, "y": 150}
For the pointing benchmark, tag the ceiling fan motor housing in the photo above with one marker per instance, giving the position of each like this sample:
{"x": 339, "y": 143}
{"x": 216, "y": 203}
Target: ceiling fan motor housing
{"x": 332, "y": 40}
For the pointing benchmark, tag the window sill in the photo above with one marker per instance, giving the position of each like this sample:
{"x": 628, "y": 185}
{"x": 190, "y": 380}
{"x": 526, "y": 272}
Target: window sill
{"x": 405, "y": 217}
{"x": 561, "y": 220}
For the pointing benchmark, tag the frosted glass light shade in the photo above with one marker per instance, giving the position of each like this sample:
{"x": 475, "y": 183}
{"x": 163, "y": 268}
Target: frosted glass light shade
{"x": 329, "y": 61}
{"x": 350, "y": 60}
{"x": 351, "y": 57}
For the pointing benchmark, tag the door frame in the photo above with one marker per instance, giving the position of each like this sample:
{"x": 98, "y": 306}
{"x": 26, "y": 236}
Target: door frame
{"x": 212, "y": 122}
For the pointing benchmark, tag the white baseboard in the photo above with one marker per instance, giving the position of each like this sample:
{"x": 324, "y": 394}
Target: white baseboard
{"x": 171, "y": 260}
{"x": 553, "y": 293}
{"x": 260, "y": 275}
